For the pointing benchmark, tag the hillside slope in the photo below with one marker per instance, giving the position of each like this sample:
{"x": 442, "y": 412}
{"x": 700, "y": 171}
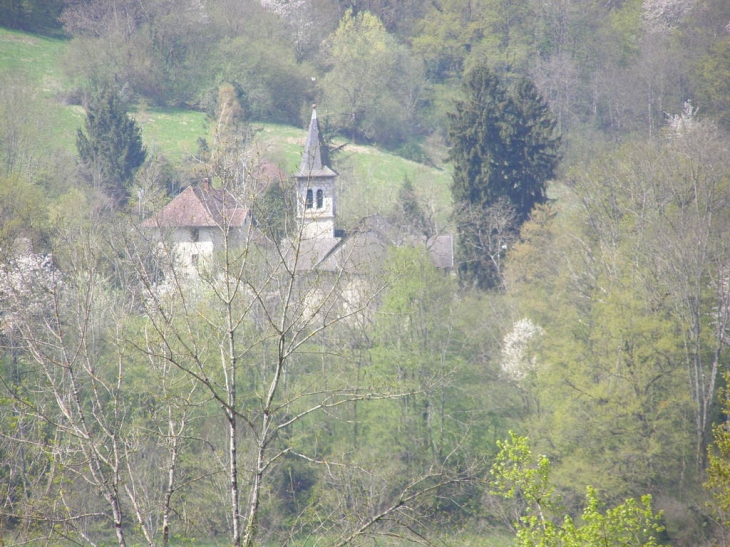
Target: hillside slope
{"x": 370, "y": 178}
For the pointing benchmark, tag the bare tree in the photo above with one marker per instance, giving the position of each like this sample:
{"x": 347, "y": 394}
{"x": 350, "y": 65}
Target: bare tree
{"x": 97, "y": 424}
{"x": 492, "y": 232}
{"x": 251, "y": 327}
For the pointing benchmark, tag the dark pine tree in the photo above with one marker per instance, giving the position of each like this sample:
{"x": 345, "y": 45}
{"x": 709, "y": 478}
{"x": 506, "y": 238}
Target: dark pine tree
{"x": 475, "y": 133}
{"x": 112, "y": 145}
{"x": 503, "y": 145}
{"x": 533, "y": 149}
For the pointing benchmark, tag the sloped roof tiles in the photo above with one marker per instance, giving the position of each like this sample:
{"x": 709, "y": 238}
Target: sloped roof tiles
{"x": 200, "y": 206}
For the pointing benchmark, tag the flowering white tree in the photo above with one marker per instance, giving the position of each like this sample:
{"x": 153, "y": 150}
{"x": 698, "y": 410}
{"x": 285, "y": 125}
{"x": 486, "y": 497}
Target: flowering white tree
{"x": 684, "y": 123}
{"x": 27, "y": 288}
{"x": 664, "y": 15}
{"x": 518, "y": 356}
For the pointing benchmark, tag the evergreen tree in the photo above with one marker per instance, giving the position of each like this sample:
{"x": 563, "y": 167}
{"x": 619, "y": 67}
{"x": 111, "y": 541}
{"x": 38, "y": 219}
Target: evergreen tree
{"x": 533, "y": 149}
{"x": 503, "y": 145}
{"x": 112, "y": 145}
{"x": 409, "y": 212}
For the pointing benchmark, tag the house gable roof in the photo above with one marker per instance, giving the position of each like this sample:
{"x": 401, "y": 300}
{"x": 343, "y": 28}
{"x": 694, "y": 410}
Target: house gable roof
{"x": 199, "y": 207}
{"x": 309, "y": 254}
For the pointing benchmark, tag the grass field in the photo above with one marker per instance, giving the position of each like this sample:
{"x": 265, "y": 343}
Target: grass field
{"x": 172, "y": 132}
{"x": 369, "y": 177}
{"x": 33, "y": 58}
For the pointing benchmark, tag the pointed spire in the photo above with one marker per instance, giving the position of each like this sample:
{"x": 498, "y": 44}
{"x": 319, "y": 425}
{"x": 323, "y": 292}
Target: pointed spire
{"x": 312, "y": 165}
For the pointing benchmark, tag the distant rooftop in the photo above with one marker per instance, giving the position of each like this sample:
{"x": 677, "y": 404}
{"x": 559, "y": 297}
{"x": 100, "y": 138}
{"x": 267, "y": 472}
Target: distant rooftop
{"x": 200, "y": 206}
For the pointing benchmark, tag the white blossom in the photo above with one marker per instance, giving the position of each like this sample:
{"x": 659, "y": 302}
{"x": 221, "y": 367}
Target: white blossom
{"x": 28, "y": 287}
{"x": 684, "y": 123}
{"x": 518, "y": 357}
{"x": 283, "y": 8}
{"x": 664, "y": 15}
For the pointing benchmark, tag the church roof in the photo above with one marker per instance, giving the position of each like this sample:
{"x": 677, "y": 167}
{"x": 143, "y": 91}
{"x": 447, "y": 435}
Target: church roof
{"x": 200, "y": 206}
{"x": 309, "y": 254}
{"x": 366, "y": 247}
{"x": 311, "y": 164}
{"x": 440, "y": 247}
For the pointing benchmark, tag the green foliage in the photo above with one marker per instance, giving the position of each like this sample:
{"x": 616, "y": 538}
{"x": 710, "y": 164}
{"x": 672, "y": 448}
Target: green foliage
{"x": 275, "y": 210}
{"x": 374, "y": 86}
{"x": 517, "y": 473}
{"x": 23, "y": 216}
{"x": 427, "y": 339}
{"x": 272, "y": 85}
{"x": 713, "y": 78}
{"x": 412, "y": 344}
{"x": 718, "y": 468}
{"x": 441, "y": 36}
{"x": 453, "y": 36}
{"x": 158, "y": 50}
{"x": 502, "y": 146}
{"x": 111, "y": 147}
{"x": 619, "y": 273}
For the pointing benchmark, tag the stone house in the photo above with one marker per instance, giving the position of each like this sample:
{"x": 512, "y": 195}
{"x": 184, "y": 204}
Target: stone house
{"x": 199, "y": 220}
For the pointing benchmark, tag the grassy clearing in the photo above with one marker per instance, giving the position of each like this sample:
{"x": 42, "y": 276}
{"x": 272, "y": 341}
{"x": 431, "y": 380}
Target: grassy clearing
{"x": 32, "y": 66}
{"x": 174, "y": 133}
{"x": 34, "y": 58}
{"x": 372, "y": 178}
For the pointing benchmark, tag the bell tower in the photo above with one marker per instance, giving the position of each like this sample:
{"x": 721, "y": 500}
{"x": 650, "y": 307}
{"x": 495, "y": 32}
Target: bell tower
{"x": 316, "y": 197}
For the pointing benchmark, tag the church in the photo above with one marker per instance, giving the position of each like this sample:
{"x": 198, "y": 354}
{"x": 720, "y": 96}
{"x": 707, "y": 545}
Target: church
{"x": 325, "y": 248}
{"x": 201, "y": 218}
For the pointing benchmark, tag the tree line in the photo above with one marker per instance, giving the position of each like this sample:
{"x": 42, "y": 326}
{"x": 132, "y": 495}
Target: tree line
{"x": 386, "y": 72}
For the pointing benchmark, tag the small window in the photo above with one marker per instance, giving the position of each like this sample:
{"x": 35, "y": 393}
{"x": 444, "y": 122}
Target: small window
{"x": 308, "y": 202}
{"x": 193, "y": 260}
{"x": 320, "y": 199}
{"x": 194, "y": 234}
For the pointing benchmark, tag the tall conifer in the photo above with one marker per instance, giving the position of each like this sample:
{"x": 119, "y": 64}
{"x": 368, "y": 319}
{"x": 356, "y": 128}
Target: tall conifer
{"x": 503, "y": 145}
{"x": 534, "y": 148}
{"x": 112, "y": 145}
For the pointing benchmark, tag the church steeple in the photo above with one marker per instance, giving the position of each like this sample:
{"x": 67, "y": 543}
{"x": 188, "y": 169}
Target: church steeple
{"x": 316, "y": 198}
{"x": 312, "y": 164}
